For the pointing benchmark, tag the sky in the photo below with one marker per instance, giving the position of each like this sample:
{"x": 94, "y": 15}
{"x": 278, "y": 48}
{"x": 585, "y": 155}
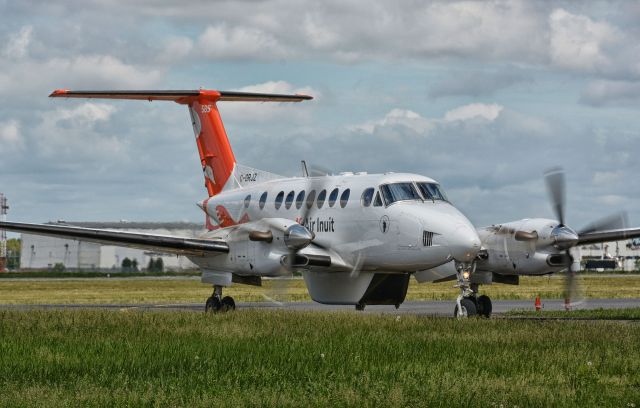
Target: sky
{"x": 481, "y": 96}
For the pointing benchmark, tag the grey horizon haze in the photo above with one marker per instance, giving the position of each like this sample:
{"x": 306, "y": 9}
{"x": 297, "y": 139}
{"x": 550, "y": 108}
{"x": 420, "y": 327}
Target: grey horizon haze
{"x": 481, "y": 96}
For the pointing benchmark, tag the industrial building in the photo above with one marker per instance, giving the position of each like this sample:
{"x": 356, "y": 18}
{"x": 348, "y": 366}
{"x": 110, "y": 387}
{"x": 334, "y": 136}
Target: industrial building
{"x": 43, "y": 252}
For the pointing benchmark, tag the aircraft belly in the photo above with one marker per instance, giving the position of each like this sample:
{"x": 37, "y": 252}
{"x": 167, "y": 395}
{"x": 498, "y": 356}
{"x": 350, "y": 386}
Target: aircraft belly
{"x": 337, "y": 288}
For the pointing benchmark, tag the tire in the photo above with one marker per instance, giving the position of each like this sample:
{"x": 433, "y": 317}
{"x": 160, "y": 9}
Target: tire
{"x": 213, "y": 305}
{"x": 484, "y": 306}
{"x": 359, "y": 306}
{"x": 468, "y": 308}
{"x": 228, "y": 304}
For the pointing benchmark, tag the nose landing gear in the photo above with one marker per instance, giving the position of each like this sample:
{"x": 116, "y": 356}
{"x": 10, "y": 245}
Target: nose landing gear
{"x": 468, "y": 302}
{"x": 218, "y": 304}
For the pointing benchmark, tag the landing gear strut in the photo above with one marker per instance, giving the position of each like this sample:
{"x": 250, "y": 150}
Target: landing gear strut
{"x": 216, "y": 303}
{"x": 468, "y": 302}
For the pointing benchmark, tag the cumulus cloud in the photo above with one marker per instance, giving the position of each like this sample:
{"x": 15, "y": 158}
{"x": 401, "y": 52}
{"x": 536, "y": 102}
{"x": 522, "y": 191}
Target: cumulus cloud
{"x": 366, "y": 58}
{"x": 270, "y": 111}
{"x": 176, "y": 49}
{"x": 578, "y": 42}
{"x": 71, "y": 132}
{"x": 18, "y": 43}
{"x": 23, "y": 72}
{"x": 10, "y": 137}
{"x": 487, "y": 111}
{"x": 221, "y": 41}
{"x": 397, "y": 117}
{"x": 411, "y": 120}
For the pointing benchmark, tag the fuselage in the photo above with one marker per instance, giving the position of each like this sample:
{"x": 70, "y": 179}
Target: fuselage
{"x": 393, "y": 222}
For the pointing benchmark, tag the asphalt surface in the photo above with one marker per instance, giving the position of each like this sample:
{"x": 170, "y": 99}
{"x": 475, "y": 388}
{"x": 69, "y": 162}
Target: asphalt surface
{"x": 426, "y": 308}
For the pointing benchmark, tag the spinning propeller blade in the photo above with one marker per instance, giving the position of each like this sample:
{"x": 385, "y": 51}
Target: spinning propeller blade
{"x": 555, "y": 181}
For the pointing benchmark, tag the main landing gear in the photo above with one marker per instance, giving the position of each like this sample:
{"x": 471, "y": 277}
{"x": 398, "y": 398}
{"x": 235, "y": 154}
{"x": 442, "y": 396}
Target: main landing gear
{"x": 217, "y": 304}
{"x": 469, "y": 303}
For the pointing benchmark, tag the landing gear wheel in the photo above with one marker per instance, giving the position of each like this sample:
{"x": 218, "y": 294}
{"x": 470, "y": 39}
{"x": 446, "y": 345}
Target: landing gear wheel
{"x": 468, "y": 308}
{"x": 213, "y": 305}
{"x": 228, "y": 304}
{"x": 484, "y": 306}
{"x": 360, "y": 307}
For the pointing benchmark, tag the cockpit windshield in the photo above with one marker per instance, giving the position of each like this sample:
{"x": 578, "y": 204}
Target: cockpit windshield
{"x": 399, "y": 192}
{"x": 432, "y": 191}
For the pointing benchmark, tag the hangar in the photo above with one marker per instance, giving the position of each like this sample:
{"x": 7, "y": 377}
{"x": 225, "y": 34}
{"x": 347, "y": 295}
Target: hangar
{"x": 43, "y": 252}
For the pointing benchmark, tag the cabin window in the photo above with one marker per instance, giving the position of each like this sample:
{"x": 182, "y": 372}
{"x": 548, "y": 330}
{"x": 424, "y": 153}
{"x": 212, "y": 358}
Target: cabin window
{"x": 247, "y": 201}
{"x": 344, "y": 198}
{"x": 367, "y": 197}
{"x": 279, "y": 199}
{"x": 321, "y": 197}
{"x": 399, "y": 192}
{"x": 377, "y": 202}
{"x": 300, "y": 199}
{"x": 432, "y": 191}
{"x": 289, "y": 200}
{"x": 263, "y": 200}
{"x": 310, "y": 198}
{"x": 333, "y": 197}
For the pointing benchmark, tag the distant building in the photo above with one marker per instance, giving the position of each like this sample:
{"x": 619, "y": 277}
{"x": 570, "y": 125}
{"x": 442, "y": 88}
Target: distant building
{"x": 42, "y": 252}
{"x": 626, "y": 253}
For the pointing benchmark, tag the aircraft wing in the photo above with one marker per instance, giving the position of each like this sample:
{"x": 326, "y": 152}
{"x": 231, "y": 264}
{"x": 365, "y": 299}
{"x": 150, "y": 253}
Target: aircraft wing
{"x": 606, "y": 236}
{"x": 159, "y": 243}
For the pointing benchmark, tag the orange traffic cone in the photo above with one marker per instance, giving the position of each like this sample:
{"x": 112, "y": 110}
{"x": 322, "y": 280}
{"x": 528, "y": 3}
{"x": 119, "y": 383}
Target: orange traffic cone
{"x": 538, "y": 304}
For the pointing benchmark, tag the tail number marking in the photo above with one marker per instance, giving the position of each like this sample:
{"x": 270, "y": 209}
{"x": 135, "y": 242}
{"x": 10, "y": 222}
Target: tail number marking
{"x": 247, "y": 177}
{"x": 206, "y": 108}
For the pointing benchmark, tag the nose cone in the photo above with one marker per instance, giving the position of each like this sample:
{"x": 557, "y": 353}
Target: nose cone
{"x": 464, "y": 243}
{"x": 297, "y": 237}
{"x": 564, "y": 237}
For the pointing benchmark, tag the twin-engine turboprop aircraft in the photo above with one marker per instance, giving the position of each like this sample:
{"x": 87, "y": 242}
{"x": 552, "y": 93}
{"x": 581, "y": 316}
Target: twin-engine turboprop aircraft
{"x": 356, "y": 238}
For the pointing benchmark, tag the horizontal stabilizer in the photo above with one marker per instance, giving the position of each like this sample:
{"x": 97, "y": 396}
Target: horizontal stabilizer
{"x": 158, "y": 243}
{"x": 185, "y": 96}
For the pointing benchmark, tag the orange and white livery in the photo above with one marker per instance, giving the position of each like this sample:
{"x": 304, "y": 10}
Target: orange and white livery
{"x": 356, "y": 238}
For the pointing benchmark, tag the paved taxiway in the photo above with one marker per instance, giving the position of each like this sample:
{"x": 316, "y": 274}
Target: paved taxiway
{"x": 438, "y": 308}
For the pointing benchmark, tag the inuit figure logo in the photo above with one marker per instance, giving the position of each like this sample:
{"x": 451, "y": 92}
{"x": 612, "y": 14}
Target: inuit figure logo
{"x": 384, "y": 224}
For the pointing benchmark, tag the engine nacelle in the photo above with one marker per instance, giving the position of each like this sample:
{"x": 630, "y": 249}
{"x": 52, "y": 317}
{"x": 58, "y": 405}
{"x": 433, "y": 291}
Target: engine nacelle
{"x": 261, "y": 248}
{"x": 524, "y": 247}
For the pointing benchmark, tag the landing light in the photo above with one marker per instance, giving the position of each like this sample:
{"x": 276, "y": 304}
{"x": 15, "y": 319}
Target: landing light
{"x": 465, "y": 275}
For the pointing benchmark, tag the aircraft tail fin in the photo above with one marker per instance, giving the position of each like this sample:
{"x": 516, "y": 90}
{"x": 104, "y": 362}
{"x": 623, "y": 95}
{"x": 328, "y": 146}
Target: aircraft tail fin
{"x": 216, "y": 156}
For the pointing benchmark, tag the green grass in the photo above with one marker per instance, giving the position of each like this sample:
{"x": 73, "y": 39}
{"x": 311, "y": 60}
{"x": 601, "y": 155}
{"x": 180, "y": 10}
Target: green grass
{"x": 284, "y": 358}
{"x": 163, "y": 291}
{"x": 90, "y": 274}
{"x": 611, "y": 314}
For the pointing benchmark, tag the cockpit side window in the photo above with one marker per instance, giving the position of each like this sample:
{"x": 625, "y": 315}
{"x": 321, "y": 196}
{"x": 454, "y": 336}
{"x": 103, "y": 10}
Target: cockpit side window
{"x": 377, "y": 202}
{"x": 399, "y": 192}
{"x": 432, "y": 191}
{"x": 367, "y": 197}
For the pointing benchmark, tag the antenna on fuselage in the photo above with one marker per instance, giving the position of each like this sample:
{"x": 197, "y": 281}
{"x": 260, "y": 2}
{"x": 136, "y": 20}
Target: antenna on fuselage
{"x": 305, "y": 172}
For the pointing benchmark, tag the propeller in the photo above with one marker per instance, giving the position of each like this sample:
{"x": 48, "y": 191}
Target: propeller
{"x": 298, "y": 236}
{"x": 564, "y": 237}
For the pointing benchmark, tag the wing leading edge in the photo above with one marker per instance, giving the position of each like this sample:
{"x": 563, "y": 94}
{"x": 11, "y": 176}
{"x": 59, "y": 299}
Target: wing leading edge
{"x": 159, "y": 243}
{"x": 607, "y": 236}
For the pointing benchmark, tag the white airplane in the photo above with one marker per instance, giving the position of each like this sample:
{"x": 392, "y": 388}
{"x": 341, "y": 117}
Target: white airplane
{"x": 356, "y": 238}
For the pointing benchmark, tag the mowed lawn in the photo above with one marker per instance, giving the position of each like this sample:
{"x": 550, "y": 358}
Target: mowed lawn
{"x": 167, "y": 291}
{"x": 282, "y": 358}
